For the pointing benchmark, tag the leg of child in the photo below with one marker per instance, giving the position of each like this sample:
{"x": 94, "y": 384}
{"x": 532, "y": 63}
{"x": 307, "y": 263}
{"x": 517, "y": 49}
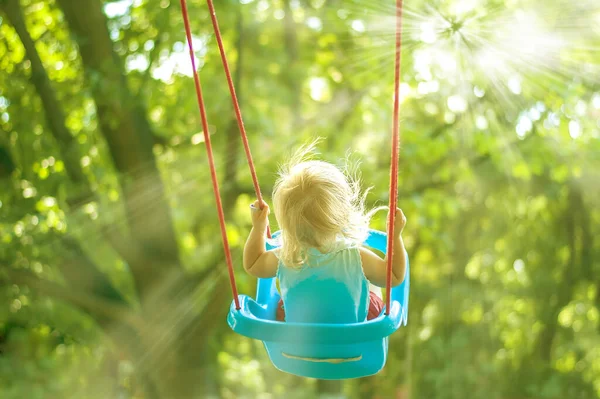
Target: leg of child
{"x": 375, "y": 302}
{"x": 280, "y": 315}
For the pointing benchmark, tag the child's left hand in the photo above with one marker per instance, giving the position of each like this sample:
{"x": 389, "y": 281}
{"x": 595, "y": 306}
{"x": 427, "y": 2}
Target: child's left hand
{"x": 260, "y": 217}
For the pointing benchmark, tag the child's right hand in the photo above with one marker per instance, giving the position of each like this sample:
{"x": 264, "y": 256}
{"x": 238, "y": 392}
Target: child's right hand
{"x": 399, "y": 222}
{"x": 260, "y": 216}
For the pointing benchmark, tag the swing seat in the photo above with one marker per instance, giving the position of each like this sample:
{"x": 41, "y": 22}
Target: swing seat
{"x": 329, "y": 351}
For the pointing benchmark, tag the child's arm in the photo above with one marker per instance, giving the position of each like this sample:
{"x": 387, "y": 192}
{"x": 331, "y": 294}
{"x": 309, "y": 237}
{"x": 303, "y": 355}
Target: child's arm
{"x": 375, "y": 267}
{"x": 259, "y": 262}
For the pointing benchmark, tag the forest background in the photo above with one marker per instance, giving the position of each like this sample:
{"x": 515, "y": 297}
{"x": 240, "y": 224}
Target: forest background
{"x": 112, "y": 276}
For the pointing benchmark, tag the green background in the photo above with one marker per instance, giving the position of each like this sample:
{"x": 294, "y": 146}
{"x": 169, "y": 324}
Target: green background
{"x": 113, "y": 281}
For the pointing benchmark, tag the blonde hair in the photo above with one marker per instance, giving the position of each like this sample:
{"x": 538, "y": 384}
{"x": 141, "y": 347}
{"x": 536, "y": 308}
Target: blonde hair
{"x": 316, "y": 204}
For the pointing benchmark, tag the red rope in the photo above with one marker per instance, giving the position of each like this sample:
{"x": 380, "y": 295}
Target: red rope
{"x": 236, "y": 106}
{"x": 211, "y": 161}
{"x": 395, "y": 155}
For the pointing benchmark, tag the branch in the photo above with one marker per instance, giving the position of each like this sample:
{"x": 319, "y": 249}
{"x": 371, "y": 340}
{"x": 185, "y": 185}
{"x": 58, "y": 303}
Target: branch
{"x": 80, "y": 271}
{"x": 100, "y": 308}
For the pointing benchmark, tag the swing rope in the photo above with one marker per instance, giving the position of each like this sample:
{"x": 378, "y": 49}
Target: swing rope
{"x": 236, "y": 106}
{"x": 393, "y": 193}
{"x": 394, "y": 158}
{"x": 211, "y": 161}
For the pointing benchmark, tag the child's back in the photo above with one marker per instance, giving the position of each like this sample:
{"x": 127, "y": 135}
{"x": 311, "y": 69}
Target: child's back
{"x": 323, "y": 271}
{"x": 331, "y": 288}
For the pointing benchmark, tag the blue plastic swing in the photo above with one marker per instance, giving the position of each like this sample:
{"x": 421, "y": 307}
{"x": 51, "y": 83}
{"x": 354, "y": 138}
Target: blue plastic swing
{"x": 326, "y": 351}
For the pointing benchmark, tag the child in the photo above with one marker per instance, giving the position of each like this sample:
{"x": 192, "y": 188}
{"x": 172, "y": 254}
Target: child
{"x": 323, "y": 224}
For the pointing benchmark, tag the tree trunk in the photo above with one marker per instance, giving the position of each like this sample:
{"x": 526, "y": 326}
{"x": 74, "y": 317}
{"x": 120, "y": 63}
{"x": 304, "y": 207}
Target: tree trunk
{"x": 566, "y": 226}
{"x": 168, "y": 341}
{"x": 76, "y": 267}
{"x": 129, "y": 138}
{"x": 538, "y": 363}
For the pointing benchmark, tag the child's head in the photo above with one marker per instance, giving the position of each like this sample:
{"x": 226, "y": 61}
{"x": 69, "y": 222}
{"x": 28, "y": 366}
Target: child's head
{"x": 315, "y": 203}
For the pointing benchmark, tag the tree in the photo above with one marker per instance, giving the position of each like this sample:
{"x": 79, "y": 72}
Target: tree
{"x": 147, "y": 242}
{"x": 108, "y": 229}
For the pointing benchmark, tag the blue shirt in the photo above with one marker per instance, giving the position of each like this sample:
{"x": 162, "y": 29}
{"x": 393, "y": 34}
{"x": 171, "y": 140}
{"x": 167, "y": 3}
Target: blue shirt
{"x": 329, "y": 288}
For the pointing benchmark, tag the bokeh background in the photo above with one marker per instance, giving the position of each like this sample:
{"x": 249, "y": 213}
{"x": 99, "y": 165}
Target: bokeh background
{"x": 113, "y": 282}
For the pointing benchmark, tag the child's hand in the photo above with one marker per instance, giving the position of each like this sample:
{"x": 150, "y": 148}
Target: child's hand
{"x": 399, "y": 222}
{"x": 259, "y": 216}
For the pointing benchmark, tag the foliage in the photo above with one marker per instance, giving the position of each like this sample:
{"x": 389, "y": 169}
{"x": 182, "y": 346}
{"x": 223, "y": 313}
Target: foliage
{"x": 103, "y": 171}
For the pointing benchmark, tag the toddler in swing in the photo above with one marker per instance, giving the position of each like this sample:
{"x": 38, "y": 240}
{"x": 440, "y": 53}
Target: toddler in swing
{"x": 323, "y": 270}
